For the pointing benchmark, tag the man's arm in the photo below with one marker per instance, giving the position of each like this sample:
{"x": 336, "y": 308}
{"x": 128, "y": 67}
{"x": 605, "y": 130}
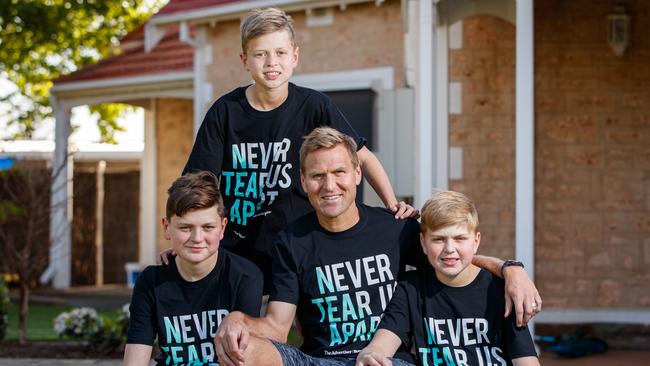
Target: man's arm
{"x": 520, "y": 291}
{"x": 374, "y": 172}
{"x": 235, "y": 330}
{"x": 137, "y": 355}
{"x": 383, "y": 345}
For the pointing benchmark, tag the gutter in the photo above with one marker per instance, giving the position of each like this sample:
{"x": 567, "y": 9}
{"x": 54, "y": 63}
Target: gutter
{"x": 123, "y": 81}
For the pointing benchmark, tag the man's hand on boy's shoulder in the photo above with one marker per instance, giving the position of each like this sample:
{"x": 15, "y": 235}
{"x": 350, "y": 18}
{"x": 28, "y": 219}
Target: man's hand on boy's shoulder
{"x": 403, "y": 210}
{"x": 521, "y": 293}
{"x": 165, "y": 256}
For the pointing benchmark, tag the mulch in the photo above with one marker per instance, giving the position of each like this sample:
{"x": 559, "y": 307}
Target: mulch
{"x": 55, "y": 349}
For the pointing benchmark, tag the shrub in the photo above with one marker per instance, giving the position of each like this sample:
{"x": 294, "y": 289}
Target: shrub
{"x": 80, "y": 323}
{"x": 84, "y": 324}
{"x": 4, "y": 309}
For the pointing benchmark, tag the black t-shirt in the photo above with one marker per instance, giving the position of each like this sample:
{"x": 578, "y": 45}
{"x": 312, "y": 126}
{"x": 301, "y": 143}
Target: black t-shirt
{"x": 256, "y": 153}
{"x": 455, "y": 325}
{"x": 185, "y": 315}
{"x": 341, "y": 282}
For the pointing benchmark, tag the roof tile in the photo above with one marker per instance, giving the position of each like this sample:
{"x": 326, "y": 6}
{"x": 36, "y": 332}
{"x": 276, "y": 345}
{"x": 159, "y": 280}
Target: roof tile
{"x": 170, "y": 55}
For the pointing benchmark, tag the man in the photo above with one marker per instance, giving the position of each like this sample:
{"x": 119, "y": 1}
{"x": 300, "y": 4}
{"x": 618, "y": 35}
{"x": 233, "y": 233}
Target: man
{"x": 335, "y": 268}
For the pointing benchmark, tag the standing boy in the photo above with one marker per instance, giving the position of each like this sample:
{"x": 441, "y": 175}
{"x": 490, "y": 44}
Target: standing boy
{"x": 182, "y": 304}
{"x": 251, "y": 138}
{"x": 450, "y": 309}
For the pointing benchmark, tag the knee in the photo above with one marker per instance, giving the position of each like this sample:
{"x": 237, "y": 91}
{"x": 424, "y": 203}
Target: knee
{"x": 262, "y": 352}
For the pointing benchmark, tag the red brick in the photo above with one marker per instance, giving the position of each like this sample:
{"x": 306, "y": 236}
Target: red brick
{"x": 599, "y": 258}
{"x": 589, "y": 102}
{"x": 628, "y": 136}
{"x": 623, "y": 191}
{"x": 640, "y": 221}
{"x": 646, "y": 251}
{"x": 586, "y": 155}
{"x": 628, "y": 256}
{"x": 610, "y": 293}
{"x": 618, "y": 157}
{"x": 572, "y": 129}
{"x": 636, "y": 100}
{"x": 615, "y": 222}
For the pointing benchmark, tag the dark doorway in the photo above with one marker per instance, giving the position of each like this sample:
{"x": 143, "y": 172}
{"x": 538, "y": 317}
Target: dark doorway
{"x": 358, "y": 108}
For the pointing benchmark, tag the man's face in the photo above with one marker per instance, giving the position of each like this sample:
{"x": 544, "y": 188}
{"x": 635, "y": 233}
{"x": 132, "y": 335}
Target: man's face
{"x": 330, "y": 180}
{"x": 450, "y": 250}
{"x": 270, "y": 59}
{"x": 195, "y": 236}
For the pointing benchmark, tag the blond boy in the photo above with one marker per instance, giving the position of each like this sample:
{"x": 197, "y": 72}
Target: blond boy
{"x": 450, "y": 311}
{"x": 252, "y": 135}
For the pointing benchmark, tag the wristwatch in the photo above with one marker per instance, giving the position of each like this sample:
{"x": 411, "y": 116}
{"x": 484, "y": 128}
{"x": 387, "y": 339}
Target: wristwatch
{"x": 510, "y": 262}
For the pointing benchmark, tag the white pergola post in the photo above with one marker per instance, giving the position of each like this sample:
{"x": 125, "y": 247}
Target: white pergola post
{"x": 59, "y": 267}
{"x": 424, "y": 100}
{"x": 149, "y": 223}
{"x": 525, "y": 139}
{"x": 202, "y": 57}
{"x": 440, "y": 122}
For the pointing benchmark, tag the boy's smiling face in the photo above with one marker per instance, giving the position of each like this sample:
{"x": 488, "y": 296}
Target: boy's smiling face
{"x": 270, "y": 59}
{"x": 450, "y": 251}
{"x": 195, "y": 236}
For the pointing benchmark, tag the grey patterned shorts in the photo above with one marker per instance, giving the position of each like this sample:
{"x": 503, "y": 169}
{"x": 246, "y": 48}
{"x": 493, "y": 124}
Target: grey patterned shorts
{"x": 291, "y": 356}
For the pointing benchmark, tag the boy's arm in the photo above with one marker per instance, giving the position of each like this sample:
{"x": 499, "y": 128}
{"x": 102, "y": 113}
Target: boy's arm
{"x": 374, "y": 172}
{"x": 235, "y": 330}
{"x": 383, "y": 345}
{"x": 137, "y": 355}
{"x": 520, "y": 291}
{"x": 526, "y": 361}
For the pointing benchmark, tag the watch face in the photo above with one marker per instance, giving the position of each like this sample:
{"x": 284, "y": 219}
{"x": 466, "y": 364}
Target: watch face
{"x": 509, "y": 263}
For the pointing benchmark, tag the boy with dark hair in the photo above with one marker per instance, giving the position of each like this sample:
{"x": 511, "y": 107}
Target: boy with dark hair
{"x": 182, "y": 304}
{"x": 251, "y": 137}
{"x": 450, "y": 309}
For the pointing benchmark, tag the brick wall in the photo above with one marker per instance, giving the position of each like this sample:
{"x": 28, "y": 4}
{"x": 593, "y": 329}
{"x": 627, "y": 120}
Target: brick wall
{"x": 592, "y": 157}
{"x": 362, "y": 36}
{"x": 484, "y": 127}
{"x": 174, "y": 139}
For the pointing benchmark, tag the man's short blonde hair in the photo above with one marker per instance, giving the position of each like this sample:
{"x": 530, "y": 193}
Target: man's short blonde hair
{"x": 327, "y": 138}
{"x": 264, "y": 21}
{"x": 448, "y": 208}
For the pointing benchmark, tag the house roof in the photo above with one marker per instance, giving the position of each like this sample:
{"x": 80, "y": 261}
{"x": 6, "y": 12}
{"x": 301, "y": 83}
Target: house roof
{"x": 170, "y": 55}
{"x": 177, "y": 6}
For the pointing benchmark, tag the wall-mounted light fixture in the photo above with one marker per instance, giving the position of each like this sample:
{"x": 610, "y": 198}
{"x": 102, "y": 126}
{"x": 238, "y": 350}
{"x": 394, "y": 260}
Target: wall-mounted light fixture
{"x": 618, "y": 30}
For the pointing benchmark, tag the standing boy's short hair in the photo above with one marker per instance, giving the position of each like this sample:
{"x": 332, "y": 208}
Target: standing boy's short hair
{"x": 194, "y": 191}
{"x": 264, "y": 21}
{"x": 448, "y": 208}
{"x": 327, "y": 138}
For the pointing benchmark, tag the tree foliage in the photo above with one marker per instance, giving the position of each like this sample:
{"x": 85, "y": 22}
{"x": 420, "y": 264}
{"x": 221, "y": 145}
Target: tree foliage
{"x": 43, "y": 39}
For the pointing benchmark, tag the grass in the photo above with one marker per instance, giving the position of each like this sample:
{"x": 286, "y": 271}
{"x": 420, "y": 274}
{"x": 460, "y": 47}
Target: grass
{"x": 40, "y": 321}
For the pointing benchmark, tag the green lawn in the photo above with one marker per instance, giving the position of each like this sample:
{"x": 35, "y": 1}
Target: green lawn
{"x": 40, "y": 321}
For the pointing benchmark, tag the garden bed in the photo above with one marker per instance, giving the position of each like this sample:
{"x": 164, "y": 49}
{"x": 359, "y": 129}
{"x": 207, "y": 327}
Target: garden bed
{"x": 54, "y": 349}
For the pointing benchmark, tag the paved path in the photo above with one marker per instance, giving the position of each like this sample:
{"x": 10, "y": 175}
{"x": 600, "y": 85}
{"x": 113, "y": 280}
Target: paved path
{"x": 628, "y": 358}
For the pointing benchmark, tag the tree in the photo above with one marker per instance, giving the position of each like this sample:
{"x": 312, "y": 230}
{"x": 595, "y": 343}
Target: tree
{"x": 43, "y": 39}
{"x": 24, "y": 229}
